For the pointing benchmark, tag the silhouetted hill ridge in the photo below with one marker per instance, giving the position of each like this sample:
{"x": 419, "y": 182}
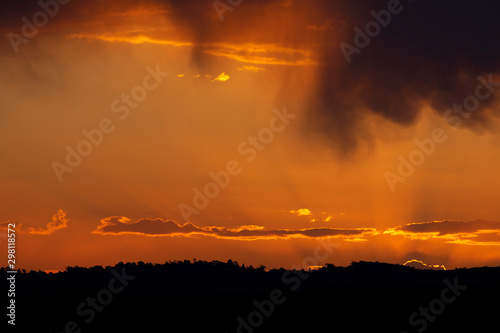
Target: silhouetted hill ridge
{"x": 193, "y": 296}
{"x": 209, "y": 277}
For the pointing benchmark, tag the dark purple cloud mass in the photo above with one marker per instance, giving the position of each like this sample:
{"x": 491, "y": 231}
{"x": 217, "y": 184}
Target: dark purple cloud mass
{"x": 425, "y": 52}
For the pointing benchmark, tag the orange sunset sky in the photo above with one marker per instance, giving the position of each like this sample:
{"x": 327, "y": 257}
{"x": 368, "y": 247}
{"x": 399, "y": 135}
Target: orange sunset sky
{"x": 308, "y": 144}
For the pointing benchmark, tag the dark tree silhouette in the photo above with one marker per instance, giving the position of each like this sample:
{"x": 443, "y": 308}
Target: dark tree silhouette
{"x": 215, "y": 296}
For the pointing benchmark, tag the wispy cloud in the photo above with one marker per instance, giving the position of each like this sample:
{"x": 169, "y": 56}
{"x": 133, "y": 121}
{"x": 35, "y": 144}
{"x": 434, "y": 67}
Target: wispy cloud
{"x": 132, "y": 37}
{"x": 250, "y": 53}
{"x": 118, "y": 225}
{"x": 59, "y": 221}
{"x": 478, "y": 232}
{"x": 251, "y": 68}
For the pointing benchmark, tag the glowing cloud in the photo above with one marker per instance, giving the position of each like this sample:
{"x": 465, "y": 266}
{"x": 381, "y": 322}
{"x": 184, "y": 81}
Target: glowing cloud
{"x": 128, "y": 37}
{"x": 251, "y": 68}
{"x": 222, "y": 77}
{"x": 119, "y": 225}
{"x": 478, "y": 232}
{"x": 59, "y": 221}
{"x": 301, "y": 212}
{"x": 412, "y": 263}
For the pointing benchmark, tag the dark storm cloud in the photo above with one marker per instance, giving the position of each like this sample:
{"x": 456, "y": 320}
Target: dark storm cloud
{"x": 431, "y": 52}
